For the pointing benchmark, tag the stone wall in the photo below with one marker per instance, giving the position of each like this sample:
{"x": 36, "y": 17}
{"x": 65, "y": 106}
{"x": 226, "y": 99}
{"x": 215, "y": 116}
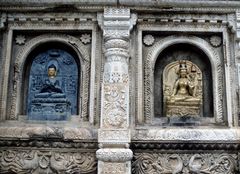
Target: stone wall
{"x": 120, "y": 125}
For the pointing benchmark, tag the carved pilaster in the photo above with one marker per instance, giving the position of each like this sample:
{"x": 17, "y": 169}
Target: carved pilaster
{"x": 116, "y": 24}
{"x": 238, "y": 32}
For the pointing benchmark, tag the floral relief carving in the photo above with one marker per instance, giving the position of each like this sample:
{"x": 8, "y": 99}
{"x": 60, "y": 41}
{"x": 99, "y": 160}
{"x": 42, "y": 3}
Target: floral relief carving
{"x": 215, "y": 41}
{"x": 154, "y": 163}
{"x": 148, "y": 40}
{"x": 115, "y": 105}
{"x": 35, "y": 161}
{"x": 20, "y": 40}
{"x": 85, "y": 38}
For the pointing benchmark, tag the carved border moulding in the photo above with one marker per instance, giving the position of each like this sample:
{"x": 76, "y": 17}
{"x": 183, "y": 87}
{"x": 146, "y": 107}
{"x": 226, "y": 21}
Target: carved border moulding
{"x": 48, "y": 132}
{"x": 30, "y": 45}
{"x": 117, "y": 136}
{"x": 37, "y": 161}
{"x": 187, "y": 134}
{"x": 114, "y": 154}
{"x": 47, "y": 143}
{"x": 185, "y": 145}
{"x": 214, "y": 163}
{"x": 151, "y": 56}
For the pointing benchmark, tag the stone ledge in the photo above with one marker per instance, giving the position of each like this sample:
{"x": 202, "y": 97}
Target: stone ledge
{"x": 186, "y": 134}
{"x": 43, "y": 132}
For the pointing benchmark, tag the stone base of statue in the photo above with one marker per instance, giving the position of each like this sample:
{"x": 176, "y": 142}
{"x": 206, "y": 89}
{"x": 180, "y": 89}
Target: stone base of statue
{"x": 53, "y": 108}
{"x": 183, "y": 108}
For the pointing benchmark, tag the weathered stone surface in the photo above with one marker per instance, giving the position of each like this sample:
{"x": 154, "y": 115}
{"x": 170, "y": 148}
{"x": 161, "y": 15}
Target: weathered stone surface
{"x": 117, "y": 45}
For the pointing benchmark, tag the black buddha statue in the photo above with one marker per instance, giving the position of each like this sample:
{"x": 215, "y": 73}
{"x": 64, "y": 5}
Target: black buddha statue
{"x": 51, "y": 84}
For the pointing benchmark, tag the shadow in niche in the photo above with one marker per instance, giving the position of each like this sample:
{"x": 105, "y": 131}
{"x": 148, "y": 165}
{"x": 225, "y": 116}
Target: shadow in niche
{"x": 198, "y": 57}
{"x": 51, "y": 82}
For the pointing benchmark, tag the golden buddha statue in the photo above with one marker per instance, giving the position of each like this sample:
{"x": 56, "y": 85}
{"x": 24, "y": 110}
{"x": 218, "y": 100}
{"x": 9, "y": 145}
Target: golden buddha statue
{"x": 186, "y": 95}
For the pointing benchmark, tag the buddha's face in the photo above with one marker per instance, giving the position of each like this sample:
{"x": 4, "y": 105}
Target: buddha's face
{"x": 183, "y": 72}
{"x": 51, "y": 72}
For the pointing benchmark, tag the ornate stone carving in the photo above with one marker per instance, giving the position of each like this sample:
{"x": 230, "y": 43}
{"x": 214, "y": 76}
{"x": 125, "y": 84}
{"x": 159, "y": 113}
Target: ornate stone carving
{"x": 22, "y": 54}
{"x": 187, "y": 134}
{"x": 114, "y": 136}
{"x": 115, "y": 106}
{"x": 26, "y": 132}
{"x": 117, "y": 168}
{"x": 39, "y": 161}
{"x": 182, "y": 81}
{"x": 217, "y": 72}
{"x": 115, "y": 102}
{"x": 114, "y": 154}
{"x": 148, "y": 40}
{"x": 215, "y": 41}
{"x": 115, "y": 94}
{"x": 186, "y": 145}
{"x": 184, "y": 163}
{"x": 52, "y": 91}
{"x": 85, "y": 38}
{"x": 20, "y": 40}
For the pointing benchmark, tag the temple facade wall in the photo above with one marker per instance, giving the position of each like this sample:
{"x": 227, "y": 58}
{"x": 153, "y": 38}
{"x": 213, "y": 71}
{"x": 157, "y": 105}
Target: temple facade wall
{"x": 119, "y": 87}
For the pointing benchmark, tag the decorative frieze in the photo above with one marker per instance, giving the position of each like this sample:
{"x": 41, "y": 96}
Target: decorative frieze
{"x": 215, "y": 163}
{"x": 183, "y": 134}
{"x": 44, "y": 161}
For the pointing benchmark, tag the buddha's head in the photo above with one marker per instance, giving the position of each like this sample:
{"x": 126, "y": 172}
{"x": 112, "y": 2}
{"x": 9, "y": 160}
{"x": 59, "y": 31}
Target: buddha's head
{"x": 182, "y": 69}
{"x": 52, "y": 71}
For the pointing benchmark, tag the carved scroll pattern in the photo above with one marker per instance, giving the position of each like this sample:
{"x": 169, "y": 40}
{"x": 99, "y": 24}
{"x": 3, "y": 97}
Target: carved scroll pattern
{"x": 35, "y": 161}
{"x": 154, "y": 163}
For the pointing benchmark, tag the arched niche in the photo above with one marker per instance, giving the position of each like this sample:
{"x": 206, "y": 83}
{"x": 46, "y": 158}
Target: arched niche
{"x": 195, "y": 44}
{"x": 51, "y": 97}
{"x": 22, "y": 65}
{"x": 190, "y": 53}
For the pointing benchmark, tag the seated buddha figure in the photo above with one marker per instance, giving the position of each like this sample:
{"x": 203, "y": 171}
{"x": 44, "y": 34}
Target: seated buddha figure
{"x": 51, "y": 85}
{"x": 186, "y": 96}
{"x": 185, "y": 86}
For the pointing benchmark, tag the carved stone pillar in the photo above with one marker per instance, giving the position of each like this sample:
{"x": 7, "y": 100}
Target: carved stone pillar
{"x": 114, "y": 155}
{"x": 237, "y": 53}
